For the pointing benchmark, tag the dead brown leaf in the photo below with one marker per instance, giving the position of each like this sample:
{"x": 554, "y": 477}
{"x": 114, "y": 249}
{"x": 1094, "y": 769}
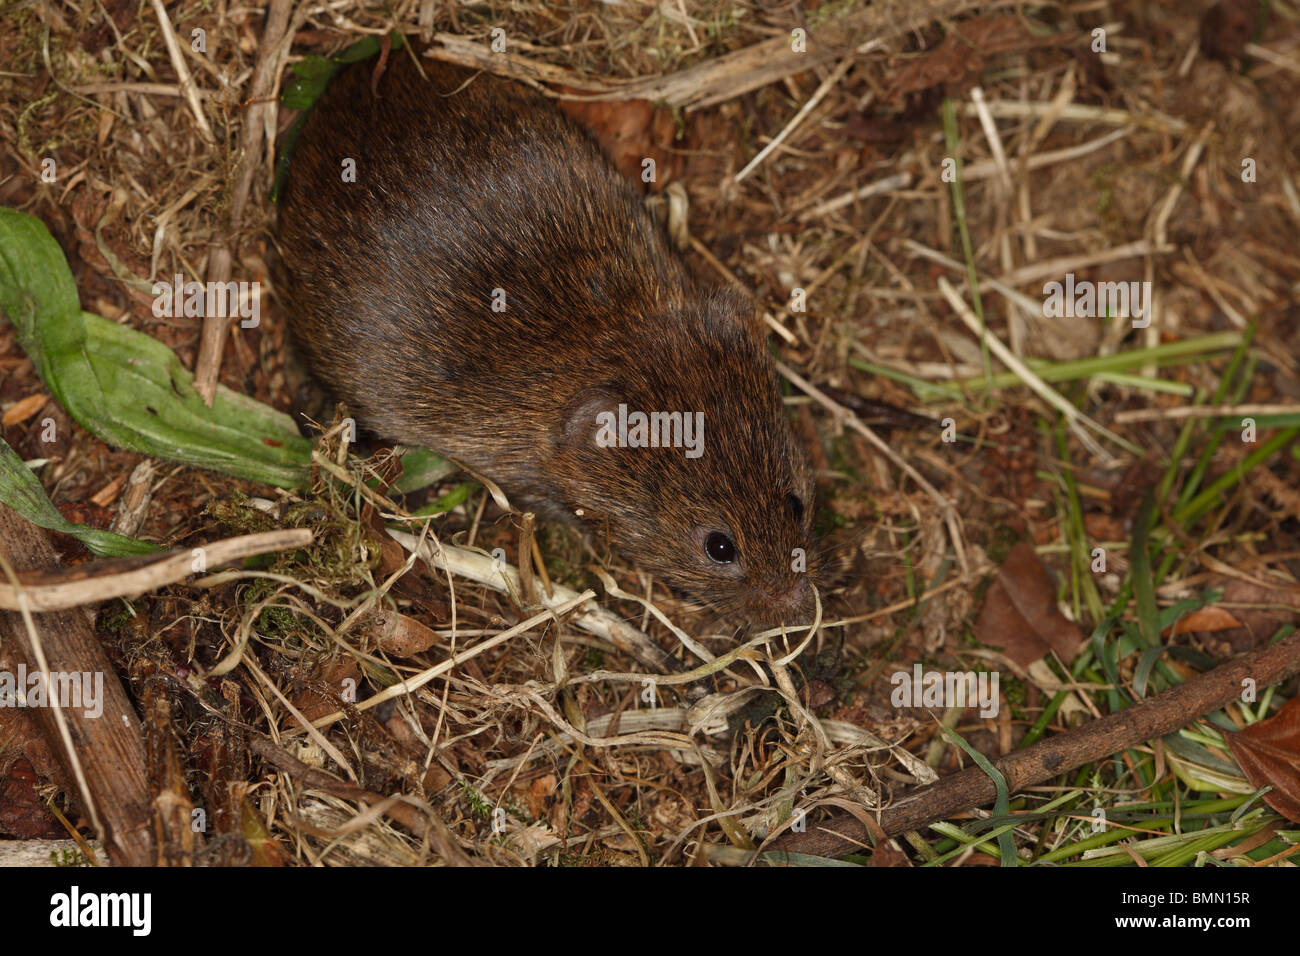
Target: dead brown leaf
{"x": 1275, "y": 608}
{"x": 629, "y": 132}
{"x": 1268, "y": 753}
{"x": 24, "y": 409}
{"x": 888, "y": 854}
{"x": 324, "y": 694}
{"x": 1020, "y": 613}
{"x": 1205, "y": 619}
{"x": 400, "y": 635}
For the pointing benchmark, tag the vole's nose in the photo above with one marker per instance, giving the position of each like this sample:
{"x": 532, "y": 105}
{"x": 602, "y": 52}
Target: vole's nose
{"x": 792, "y": 606}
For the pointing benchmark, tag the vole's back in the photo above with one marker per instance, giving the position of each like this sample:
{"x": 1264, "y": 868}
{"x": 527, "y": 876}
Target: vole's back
{"x": 484, "y": 194}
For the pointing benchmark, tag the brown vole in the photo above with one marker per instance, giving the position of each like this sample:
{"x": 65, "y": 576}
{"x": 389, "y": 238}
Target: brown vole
{"x": 490, "y": 287}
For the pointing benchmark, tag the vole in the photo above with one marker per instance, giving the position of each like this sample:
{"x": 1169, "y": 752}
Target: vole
{"x": 489, "y": 286}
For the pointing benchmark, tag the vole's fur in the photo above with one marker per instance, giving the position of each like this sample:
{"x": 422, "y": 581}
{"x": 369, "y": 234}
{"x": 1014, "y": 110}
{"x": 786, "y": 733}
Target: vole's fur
{"x": 468, "y": 184}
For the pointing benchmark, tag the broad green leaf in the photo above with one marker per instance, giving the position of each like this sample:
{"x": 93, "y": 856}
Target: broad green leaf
{"x": 22, "y": 491}
{"x": 126, "y": 387}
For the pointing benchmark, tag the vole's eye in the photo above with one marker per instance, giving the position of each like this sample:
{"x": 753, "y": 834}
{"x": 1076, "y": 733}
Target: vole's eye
{"x": 720, "y": 548}
{"x": 795, "y": 505}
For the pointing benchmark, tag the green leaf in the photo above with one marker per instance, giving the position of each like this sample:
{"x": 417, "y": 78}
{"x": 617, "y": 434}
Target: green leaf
{"x": 310, "y": 78}
{"x": 421, "y": 468}
{"x": 1143, "y": 670}
{"x": 124, "y": 386}
{"x": 1143, "y": 583}
{"x": 367, "y": 47}
{"x": 457, "y": 496}
{"x": 22, "y": 491}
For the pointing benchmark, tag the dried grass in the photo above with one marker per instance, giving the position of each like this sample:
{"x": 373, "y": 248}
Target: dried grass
{"x": 1123, "y": 166}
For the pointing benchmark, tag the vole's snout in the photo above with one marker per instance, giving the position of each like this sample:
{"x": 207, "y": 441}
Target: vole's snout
{"x": 791, "y": 605}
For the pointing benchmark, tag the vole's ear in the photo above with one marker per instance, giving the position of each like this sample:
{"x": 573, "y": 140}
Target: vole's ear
{"x": 589, "y": 415}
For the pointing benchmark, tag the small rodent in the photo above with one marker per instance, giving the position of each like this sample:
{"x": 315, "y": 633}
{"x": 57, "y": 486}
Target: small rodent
{"x": 471, "y": 191}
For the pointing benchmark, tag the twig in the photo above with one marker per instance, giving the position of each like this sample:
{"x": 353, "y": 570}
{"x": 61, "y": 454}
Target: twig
{"x": 183, "y": 72}
{"x": 818, "y": 95}
{"x": 56, "y": 590}
{"x": 1080, "y": 113}
{"x": 1036, "y": 384}
{"x": 257, "y": 130}
{"x": 720, "y": 78}
{"x": 980, "y": 170}
{"x": 133, "y": 506}
{"x": 482, "y": 569}
{"x": 994, "y": 139}
{"x": 416, "y": 816}
{"x": 887, "y": 185}
{"x": 1269, "y": 56}
{"x": 101, "y": 752}
{"x": 411, "y": 684}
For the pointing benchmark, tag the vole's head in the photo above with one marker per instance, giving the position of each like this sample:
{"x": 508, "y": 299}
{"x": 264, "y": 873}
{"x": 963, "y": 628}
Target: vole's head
{"x": 684, "y": 457}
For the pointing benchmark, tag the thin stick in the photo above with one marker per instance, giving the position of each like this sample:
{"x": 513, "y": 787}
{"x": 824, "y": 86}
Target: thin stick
{"x": 1269, "y": 56}
{"x": 36, "y": 648}
{"x": 100, "y": 751}
{"x": 994, "y": 139}
{"x": 1064, "y": 264}
{"x": 56, "y": 590}
{"x": 772, "y": 323}
{"x": 183, "y": 72}
{"x": 257, "y": 129}
{"x": 1036, "y": 384}
{"x": 887, "y": 185}
{"x": 412, "y": 684}
{"x": 720, "y": 78}
{"x": 1080, "y": 113}
{"x": 478, "y": 567}
{"x": 820, "y": 94}
{"x": 980, "y": 170}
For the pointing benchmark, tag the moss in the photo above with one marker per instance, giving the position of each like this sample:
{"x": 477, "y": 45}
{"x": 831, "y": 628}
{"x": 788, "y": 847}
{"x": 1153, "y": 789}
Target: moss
{"x": 68, "y": 857}
{"x": 1013, "y": 692}
{"x": 1003, "y": 539}
{"x": 235, "y": 513}
{"x": 478, "y": 804}
{"x": 114, "y": 616}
